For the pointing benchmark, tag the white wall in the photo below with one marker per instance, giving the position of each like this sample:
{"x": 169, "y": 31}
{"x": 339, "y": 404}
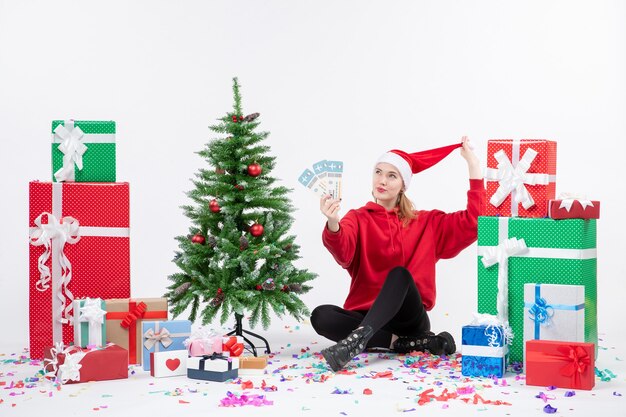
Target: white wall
{"x": 337, "y": 80}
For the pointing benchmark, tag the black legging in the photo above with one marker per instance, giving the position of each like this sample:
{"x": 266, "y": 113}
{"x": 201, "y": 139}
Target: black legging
{"x": 398, "y": 310}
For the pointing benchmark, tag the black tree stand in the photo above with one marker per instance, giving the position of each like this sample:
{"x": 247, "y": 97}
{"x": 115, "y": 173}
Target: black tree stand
{"x": 239, "y": 331}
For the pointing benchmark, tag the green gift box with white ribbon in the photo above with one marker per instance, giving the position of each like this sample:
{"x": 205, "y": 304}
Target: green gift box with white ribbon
{"x": 83, "y": 151}
{"x": 517, "y": 251}
{"x": 90, "y": 322}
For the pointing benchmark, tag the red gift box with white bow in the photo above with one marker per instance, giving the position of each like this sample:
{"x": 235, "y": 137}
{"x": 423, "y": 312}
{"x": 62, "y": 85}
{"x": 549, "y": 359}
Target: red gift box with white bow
{"x": 570, "y": 206}
{"x": 79, "y": 247}
{"x": 520, "y": 176}
{"x": 560, "y": 364}
{"x": 73, "y": 364}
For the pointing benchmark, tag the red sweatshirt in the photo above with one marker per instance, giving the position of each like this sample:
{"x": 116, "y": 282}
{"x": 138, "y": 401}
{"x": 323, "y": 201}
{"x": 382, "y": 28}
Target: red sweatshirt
{"x": 371, "y": 241}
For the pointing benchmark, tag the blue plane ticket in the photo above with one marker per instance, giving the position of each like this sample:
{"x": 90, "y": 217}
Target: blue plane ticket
{"x": 312, "y": 182}
{"x": 334, "y": 173}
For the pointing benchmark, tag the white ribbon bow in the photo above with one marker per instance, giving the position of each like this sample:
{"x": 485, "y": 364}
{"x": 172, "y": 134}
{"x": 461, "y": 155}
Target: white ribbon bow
{"x": 70, "y": 369}
{"x": 567, "y": 199}
{"x": 500, "y": 255}
{"x": 64, "y": 231}
{"x": 92, "y": 312}
{"x": 502, "y": 252}
{"x": 73, "y": 149}
{"x": 514, "y": 179}
{"x": 153, "y": 338}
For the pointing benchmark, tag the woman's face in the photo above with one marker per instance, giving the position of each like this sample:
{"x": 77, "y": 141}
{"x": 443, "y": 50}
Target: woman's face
{"x": 386, "y": 184}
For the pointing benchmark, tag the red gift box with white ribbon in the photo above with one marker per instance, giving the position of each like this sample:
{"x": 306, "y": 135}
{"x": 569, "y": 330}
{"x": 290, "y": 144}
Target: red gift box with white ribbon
{"x": 560, "y": 364}
{"x": 73, "y": 364}
{"x": 571, "y": 206}
{"x": 521, "y": 177}
{"x": 79, "y": 247}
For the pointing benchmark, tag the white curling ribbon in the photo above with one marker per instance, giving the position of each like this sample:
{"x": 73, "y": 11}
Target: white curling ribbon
{"x": 152, "y": 338}
{"x": 514, "y": 179}
{"x": 52, "y": 362}
{"x": 500, "y": 255}
{"x": 56, "y": 233}
{"x": 567, "y": 200}
{"x": 73, "y": 149}
{"x": 494, "y": 327}
{"x": 92, "y": 313}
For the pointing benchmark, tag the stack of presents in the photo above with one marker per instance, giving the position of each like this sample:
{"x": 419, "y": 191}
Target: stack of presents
{"x": 537, "y": 291}
{"x": 82, "y": 320}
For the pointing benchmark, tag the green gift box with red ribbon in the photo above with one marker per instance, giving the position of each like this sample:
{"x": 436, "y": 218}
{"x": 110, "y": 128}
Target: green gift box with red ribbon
{"x": 124, "y": 322}
{"x": 517, "y": 251}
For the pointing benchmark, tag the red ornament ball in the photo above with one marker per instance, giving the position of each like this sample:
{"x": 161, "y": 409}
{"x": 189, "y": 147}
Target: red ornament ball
{"x": 198, "y": 239}
{"x": 239, "y": 187}
{"x": 214, "y": 206}
{"x": 256, "y": 230}
{"x": 254, "y": 170}
{"x": 235, "y": 119}
{"x": 259, "y": 288}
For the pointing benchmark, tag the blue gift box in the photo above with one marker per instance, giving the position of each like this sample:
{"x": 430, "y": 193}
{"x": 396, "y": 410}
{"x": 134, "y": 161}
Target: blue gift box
{"x": 484, "y": 351}
{"x": 161, "y": 336}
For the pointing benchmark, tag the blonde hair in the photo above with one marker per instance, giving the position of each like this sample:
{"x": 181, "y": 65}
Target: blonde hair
{"x": 406, "y": 209}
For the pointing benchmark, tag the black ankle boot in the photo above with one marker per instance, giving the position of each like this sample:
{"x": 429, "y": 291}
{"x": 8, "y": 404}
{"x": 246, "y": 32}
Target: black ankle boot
{"x": 337, "y": 356}
{"x": 443, "y": 343}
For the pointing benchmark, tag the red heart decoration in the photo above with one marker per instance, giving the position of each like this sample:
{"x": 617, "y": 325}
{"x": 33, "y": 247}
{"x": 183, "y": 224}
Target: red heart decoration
{"x": 172, "y": 364}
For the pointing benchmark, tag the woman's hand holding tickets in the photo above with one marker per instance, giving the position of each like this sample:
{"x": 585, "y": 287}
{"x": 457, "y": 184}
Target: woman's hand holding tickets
{"x": 330, "y": 208}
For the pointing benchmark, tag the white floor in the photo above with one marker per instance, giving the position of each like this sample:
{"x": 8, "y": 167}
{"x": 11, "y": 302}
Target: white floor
{"x": 305, "y": 386}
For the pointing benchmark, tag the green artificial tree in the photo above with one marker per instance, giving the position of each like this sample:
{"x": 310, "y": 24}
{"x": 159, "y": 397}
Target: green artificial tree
{"x": 238, "y": 257}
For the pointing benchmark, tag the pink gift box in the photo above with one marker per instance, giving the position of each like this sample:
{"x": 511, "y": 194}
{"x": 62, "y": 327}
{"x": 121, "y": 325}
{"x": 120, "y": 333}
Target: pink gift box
{"x": 201, "y": 347}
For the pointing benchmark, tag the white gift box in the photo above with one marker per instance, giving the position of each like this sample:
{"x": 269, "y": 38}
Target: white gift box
{"x": 216, "y": 367}
{"x": 168, "y": 363}
{"x": 554, "y": 312}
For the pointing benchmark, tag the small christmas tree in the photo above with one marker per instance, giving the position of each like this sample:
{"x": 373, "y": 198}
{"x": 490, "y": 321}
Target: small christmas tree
{"x": 238, "y": 256}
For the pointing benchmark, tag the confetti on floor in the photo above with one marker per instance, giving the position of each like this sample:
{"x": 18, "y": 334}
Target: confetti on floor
{"x": 416, "y": 383}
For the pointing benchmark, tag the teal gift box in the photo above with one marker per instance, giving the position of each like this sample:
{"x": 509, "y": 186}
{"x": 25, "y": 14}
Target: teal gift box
{"x": 163, "y": 336}
{"x": 83, "y": 151}
{"x": 90, "y": 327}
{"x": 519, "y": 251}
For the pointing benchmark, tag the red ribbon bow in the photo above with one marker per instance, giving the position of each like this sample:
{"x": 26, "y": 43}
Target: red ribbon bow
{"x": 132, "y": 316}
{"x": 231, "y": 346}
{"x": 577, "y": 362}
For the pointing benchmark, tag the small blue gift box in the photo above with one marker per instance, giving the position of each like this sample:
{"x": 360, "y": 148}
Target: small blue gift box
{"x": 484, "y": 349}
{"x": 161, "y": 336}
{"x": 215, "y": 367}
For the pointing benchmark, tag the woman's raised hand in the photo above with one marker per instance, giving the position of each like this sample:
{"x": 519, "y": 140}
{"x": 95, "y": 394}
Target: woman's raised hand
{"x": 473, "y": 164}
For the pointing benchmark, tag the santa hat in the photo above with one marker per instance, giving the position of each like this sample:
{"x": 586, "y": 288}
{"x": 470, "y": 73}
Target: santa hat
{"x": 412, "y": 163}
